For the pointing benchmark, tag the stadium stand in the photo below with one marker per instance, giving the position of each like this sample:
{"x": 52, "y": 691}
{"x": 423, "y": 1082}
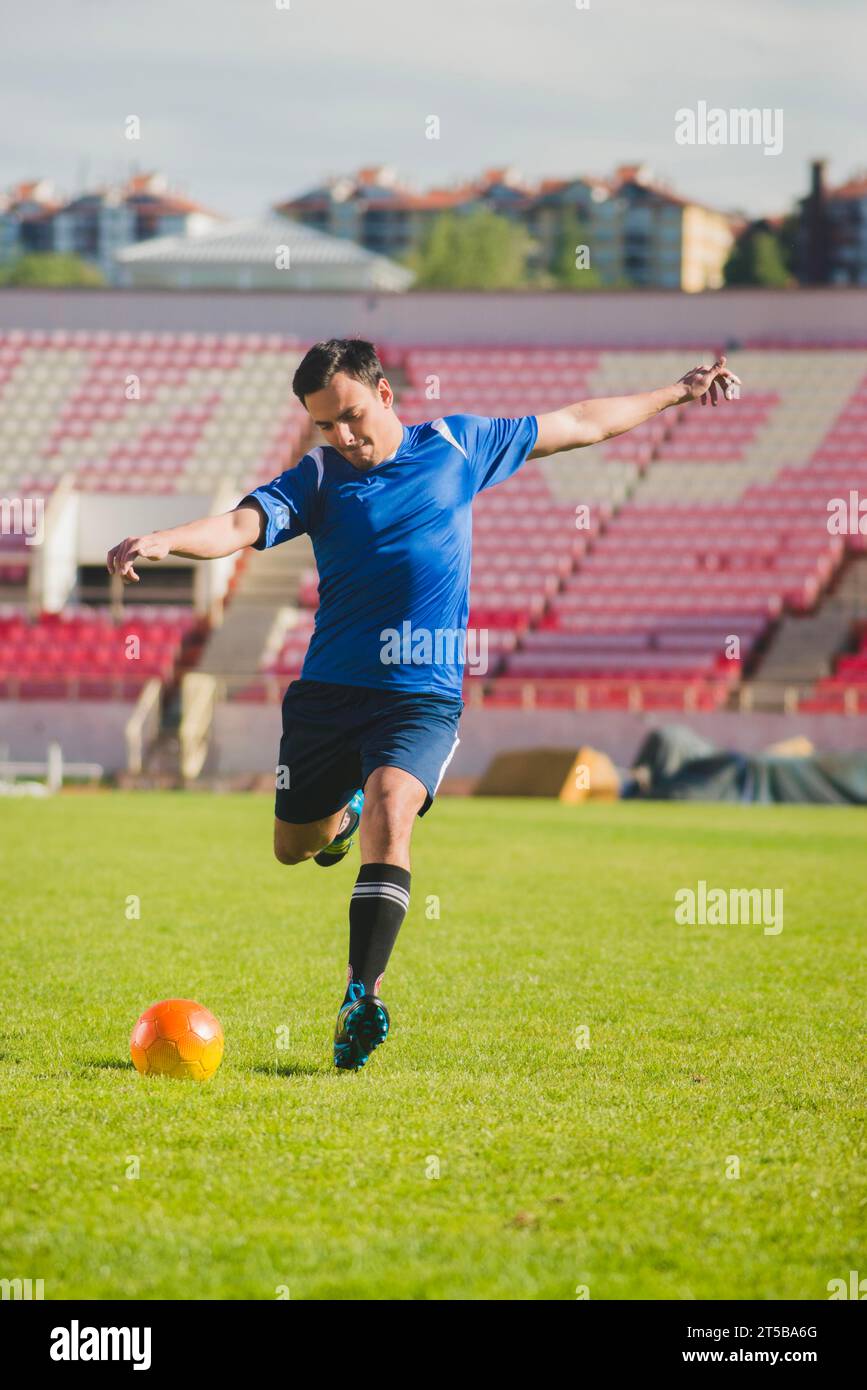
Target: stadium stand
{"x": 844, "y": 691}
{"x": 85, "y": 654}
{"x": 703, "y": 529}
{"x": 651, "y": 572}
{"x": 123, "y": 412}
{"x": 654, "y": 571}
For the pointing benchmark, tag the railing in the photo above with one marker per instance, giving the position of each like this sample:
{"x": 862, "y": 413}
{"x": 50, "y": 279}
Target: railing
{"x": 582, "y": 696}
{"x": 634, "y": 696}
{"x": 198, "y": 701}
{"x": 143, "y": 725}
{"x": 639, "y": 696}
{"x": 72, "y": 687}
{"x": 849, "y": 698}
{"x": 53, "y": 769}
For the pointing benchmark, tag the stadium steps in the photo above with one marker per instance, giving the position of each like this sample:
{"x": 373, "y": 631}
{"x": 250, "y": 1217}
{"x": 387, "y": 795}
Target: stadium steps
{"x": 162, "y": 764}
{"x": 804, "y": 649}
{"x": 850, "y": 588}
{"x": 269, "y": 581}
{"x": 161, "y": 760}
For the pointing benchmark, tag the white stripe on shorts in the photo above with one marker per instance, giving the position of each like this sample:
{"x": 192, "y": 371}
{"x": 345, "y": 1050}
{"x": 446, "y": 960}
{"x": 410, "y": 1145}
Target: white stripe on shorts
{"x": 445, "y": 764}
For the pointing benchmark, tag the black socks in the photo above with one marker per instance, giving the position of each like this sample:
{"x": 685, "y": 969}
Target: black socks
{"x": 379, "y": 902}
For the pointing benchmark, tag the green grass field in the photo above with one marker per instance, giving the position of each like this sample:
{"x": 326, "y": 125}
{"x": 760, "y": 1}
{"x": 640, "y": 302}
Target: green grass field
{"x": 559, "y": 1166}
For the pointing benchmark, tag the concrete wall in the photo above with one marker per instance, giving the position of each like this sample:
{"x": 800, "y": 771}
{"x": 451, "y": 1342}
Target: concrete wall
{"x": 648, "y": 317}
{"x": 487, "y": 732}
{"x": 87, "y": 730}
{"x": 105, "y": 518}
{"x": 246, "y": 737}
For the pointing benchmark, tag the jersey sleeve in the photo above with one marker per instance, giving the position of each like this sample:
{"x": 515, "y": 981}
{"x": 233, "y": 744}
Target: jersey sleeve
{"x": 287, "y": 502}
{"x": 495, "y": 446}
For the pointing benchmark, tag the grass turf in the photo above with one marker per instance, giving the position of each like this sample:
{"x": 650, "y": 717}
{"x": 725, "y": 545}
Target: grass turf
{"x": 559, "y": 1166}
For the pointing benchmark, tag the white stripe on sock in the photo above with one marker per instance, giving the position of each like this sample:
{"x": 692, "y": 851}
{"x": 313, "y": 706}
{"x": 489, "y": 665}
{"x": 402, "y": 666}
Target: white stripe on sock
{"x": 373, "y": 888}
{"x": 403, "y": 899}
{"x": 368, "y": 886}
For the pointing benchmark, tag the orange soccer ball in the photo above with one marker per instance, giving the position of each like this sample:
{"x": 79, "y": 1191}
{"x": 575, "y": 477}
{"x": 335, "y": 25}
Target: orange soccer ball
{"x": 177, "y": 1037}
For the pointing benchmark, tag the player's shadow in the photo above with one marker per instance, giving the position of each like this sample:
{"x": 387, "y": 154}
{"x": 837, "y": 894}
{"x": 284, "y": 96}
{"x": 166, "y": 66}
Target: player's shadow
{"x": 290, "y": 1069}
{"x": 282, "y": 1069}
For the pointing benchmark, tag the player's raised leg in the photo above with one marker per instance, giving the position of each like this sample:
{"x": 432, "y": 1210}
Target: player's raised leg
{"x": 377, "y": 909}
{"x": 293, "y": 844}
{"x": 339, "y": 847}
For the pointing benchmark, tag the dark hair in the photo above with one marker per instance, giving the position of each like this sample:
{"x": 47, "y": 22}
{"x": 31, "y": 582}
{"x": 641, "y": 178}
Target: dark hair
{"x": 354, "y": 356}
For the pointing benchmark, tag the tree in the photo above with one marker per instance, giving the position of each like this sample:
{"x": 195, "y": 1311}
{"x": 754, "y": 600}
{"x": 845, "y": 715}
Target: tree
{"x": 479, "y": 250}
{"x": 758, "y": 257}
{"x": 569, "y": 254}
{"x": 50, "y": 268}
{"x": 788, "y": 240}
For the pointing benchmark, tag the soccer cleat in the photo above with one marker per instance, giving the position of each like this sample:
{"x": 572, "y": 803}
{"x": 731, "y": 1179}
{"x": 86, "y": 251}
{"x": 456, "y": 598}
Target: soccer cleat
{"x": 362, "y": 1024}
{"x": 342, "y": 842}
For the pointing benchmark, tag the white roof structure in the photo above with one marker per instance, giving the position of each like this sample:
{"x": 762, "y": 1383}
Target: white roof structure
{"x": 274, "y": 253}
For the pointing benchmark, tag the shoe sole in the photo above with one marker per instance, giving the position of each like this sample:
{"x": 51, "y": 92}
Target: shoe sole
{"x": 326, "y": 863}
{"x": 367, "y": 1028}
{"x": 325, "y": 858}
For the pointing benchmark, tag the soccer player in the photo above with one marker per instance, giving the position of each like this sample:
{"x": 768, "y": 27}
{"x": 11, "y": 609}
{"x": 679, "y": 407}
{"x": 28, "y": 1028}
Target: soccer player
{"x": 372, "y": 724}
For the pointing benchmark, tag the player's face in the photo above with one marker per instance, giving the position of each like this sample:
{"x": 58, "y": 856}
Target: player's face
{"x": 355, "y": 420}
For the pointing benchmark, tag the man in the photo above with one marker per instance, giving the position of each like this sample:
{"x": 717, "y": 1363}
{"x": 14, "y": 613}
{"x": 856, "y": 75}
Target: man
{"x": 373, "y": 720}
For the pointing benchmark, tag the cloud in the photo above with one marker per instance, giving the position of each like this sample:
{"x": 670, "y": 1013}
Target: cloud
{"x": 244, "y": 104}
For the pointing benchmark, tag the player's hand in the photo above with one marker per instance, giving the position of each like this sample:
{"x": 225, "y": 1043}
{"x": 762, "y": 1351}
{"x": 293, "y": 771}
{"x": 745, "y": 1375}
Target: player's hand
{"x": 703, "y": 382}
{"x": 120, "y": 559}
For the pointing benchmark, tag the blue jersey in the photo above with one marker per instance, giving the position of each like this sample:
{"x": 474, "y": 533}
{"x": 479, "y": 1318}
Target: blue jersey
{"x": 393, "y": 548}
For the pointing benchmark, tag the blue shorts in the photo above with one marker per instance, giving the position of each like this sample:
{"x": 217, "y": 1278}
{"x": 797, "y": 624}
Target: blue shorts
{"x": 334, "y": 736}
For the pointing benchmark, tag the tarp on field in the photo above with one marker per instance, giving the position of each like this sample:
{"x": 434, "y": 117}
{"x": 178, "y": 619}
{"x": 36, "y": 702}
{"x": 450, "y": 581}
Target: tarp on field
{"x": 680, "y": 765}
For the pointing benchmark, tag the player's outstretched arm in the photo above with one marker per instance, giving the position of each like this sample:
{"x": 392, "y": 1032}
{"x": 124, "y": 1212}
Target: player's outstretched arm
{"x": 590, "y": 422}
{"x": 206, "y": 539}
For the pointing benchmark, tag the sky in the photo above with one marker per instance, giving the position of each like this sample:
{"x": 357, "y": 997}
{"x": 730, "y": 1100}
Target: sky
{"x": 244, "y": 103}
